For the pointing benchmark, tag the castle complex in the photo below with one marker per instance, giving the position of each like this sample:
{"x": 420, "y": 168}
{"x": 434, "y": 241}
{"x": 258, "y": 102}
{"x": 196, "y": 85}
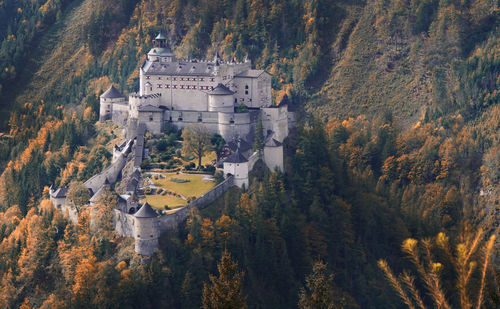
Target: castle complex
{"x": 228, "y": 98}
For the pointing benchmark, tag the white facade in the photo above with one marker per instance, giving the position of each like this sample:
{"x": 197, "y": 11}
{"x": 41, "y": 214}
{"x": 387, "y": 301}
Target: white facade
{"x": 239, "y": 171}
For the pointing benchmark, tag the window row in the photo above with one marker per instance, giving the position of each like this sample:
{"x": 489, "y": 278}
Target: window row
{"x": 192, "y": 79}
{"x": 167, "y": 86}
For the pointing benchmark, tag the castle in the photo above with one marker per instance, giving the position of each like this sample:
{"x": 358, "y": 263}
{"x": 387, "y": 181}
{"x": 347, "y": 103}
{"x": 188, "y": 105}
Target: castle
{"x": 228, "y": 98}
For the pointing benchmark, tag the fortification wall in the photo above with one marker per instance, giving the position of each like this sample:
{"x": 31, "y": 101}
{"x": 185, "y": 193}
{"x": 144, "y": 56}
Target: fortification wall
{"x": 124, "y": 223}
{"x": 234, "y": 124}
{"x": 111, "y": 173}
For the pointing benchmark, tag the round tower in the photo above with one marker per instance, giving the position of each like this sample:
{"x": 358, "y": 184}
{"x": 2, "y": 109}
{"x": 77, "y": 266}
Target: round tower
{"x": 107, "y": 99}
{"x": 146, "y": 230}
{"x": 220, "y": 99}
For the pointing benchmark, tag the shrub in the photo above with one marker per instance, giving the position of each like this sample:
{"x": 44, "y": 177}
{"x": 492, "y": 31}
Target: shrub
{"x": 179, "y": 180}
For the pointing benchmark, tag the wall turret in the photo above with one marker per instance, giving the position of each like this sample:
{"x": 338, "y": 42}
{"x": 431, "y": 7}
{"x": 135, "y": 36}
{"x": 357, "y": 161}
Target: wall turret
{"x": 109, "y": 102}
{"x": 220, "y": 99}
{"x": 146, "y": 230}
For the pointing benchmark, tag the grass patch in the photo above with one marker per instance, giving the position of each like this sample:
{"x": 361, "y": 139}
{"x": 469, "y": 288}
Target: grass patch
{"x": 159, "y": 201}
{"x": 206, "y": 159}
{"x": 195, "y": 187}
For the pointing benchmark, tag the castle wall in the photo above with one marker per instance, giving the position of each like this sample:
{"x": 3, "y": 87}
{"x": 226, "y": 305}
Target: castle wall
{"x": 124, "y": 223}
{"x": 273, "y": 157}
{"x": 120, "y": 113}
{"x": 112, "y": 172}
{"x": 152, "y": 120}
{"x": 232, "y": 124}
{"x": 239, "y": 171}
{"x": 276, "y": 119}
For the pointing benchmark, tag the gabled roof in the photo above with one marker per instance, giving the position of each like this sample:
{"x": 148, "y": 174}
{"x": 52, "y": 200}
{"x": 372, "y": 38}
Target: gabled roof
{"x": 146, "y": 212}
{"x": 149, "y": 108}
{"x": 220, "y": 89}
{"x": 60, "y": 193}
{"x": 236, "y": 157}
{"x": 250, "y": 73}
{"x": 112, "y": 93}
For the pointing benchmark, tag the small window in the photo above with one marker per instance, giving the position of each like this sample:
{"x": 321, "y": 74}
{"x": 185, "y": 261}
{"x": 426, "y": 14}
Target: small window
{"x": 202, "y": 79}
{"x": 175, "y": 78}
{"x": 246, "y": 91}
{"x": 235, "y": 100}
{"x": 159, "y": 86}
{"x": 200, "y": 120}
{"x": 182, "y": 78}
{"x": 150, "y": 118}
{"x": 167, "y": 86}
{"x": 246, "y": 86}
{"x": 212, "y": 79}
{"x": 159, "y": 77}
{"x": 182, "y": 86}
{"x": 179, "y": 119}
{"x": 148, "y": 77}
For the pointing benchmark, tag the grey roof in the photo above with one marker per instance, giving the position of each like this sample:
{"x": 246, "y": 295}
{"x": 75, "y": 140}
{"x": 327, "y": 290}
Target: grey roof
{"x": 239, "y": 144}
{"x": 160, "y": 36}
{"x": 149, "y": 108}
{"x": 236, "y": 157}
{"x": 221, "y": 89}
{"x": 161, "y": 51}
{"x": 112, "y": 93}
{"x": 250, "y": 73}
{"x": 272, "y": 143}
{"x": 184, "y": 68}
{"x": 60, "y": 193}
{"x": 146, "y": 212}
{"x": 97, "y": 195}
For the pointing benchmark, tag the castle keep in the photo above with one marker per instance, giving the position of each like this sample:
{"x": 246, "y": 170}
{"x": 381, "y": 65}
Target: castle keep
{"x": 228, "y": 98}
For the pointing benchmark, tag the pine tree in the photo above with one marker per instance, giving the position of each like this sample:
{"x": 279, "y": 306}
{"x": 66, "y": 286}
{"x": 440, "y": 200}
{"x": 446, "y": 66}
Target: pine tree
{"x": 318, "y": 293}
{"x": 225, "y": 291}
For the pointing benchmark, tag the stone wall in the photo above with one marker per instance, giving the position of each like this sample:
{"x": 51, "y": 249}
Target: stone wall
{"x": 112, "y": 172}
{"x": 124, "y": 223}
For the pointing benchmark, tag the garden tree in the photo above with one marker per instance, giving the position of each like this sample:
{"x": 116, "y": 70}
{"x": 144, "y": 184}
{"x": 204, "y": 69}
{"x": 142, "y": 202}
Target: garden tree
{"x": 318, "y": 293}
{"x": 78, "y": 195}
{"x": 225, "y": 291}
{"x": 469, "y": 263}
{"x": 196, "y": 141}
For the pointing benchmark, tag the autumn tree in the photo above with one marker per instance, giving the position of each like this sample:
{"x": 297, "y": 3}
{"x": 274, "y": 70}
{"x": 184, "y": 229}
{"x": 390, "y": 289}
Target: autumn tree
{"x": 469, "y": 261}
{"x": 196, "y": 141}
{"x": 78, "y": 194}
{"x": 225, "y": 291}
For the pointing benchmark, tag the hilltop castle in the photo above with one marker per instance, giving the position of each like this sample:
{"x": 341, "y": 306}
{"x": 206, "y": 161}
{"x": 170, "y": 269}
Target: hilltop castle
{"x": 228, "y": 98}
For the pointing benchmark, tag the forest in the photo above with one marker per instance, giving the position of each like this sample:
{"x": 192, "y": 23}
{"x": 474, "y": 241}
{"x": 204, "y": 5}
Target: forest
{"x": 391, "y": 189}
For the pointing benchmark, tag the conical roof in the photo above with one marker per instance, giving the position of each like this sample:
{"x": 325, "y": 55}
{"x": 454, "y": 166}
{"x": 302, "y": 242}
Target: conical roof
{"x": 236, "y": 157}
{"x": 112, "y": 93}
{"x": 220, "y": 89}
{"x": 146, "y": 212}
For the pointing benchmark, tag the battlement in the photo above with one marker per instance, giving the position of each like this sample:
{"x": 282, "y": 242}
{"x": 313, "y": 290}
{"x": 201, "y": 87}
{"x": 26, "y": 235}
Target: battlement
{"x": 136, "y": 95}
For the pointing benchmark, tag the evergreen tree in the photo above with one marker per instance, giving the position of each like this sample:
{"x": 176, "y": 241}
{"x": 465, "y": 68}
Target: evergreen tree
{"x": 225, "y": 291}
{"x": 318, "y": 293}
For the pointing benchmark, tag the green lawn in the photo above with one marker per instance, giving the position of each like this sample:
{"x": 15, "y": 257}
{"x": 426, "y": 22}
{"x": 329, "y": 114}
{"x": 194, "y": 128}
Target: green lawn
{"x": 196, "y": 187}
{"x": 159, "y": 201}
